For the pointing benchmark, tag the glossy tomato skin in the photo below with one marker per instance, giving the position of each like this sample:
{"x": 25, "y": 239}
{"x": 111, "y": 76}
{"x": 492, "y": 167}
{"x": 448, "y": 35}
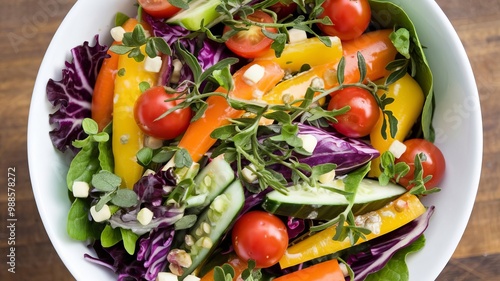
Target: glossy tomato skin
{"x": 350, "y": 18}
{"x": 251, "y": 43}
{"x": 151, "y": 105}
{"x": 159, "y": 8}
{"x": 260, "y": 236}
{"x": 363, "y": 115}
{"x": 434, "y": 164}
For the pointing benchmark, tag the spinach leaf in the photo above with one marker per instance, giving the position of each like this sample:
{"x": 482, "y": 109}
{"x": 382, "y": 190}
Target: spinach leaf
{"x": 84, "y": 165}
{"x": 389, "y": 15}
{"x": 396, "y": 269}
{"x": 79, "y": 227}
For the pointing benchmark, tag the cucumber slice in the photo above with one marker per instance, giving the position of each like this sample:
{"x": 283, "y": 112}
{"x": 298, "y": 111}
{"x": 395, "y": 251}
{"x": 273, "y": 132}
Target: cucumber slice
{"x": 198, "y": 11}
{"x": 307, "y": 202}
{"x": 209, "y": 183}
{"x": 212, "y": 224}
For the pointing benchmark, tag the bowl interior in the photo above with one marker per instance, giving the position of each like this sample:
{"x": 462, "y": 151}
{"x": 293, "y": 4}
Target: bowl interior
{"x": 457, "y": 123}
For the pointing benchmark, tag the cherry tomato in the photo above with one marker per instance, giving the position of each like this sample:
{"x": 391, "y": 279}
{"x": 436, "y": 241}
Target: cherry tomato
{"x": 363, "y": 115}
{"x": 350, "y": 18}
{"x": 434, "y": 163}
{"x": 151, "y": 105}
{"x": 159, "y": 8}
{"x": 260, "y": 236}
{"x": 251, "y": 43}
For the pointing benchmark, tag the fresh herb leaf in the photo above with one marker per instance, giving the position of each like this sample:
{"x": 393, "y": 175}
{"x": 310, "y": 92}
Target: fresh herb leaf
{"x": 106, "y": 181}
{"x": 125, "y": 198}
{"x": 185, "y": 222}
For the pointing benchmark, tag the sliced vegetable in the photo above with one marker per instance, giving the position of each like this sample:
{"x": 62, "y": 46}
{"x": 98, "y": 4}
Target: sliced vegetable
{"x": 324, "y": 271}
{"x": 406, "y": 108}
{"x": 376, "y": 48}
{"x": 399, "y": 243}
{"x": 212, "y": 224}
{"x": 104, "y": 89}
{"x": 196, "y": 140}
{"x": 296, "y": 55}
{"x": 392, "y": 216}
{"x": 159, "y": 8}
{"x": 324, "y": 203}
{"x": 199, "y": 12}
{"x": 251, "y": 43}
{"x": 127, "y": 136}
{"x": 209, "y": 183}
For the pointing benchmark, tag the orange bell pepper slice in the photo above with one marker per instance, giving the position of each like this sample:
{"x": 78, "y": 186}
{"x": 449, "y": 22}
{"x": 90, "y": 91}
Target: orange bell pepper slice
{"x": 196, "y": 140}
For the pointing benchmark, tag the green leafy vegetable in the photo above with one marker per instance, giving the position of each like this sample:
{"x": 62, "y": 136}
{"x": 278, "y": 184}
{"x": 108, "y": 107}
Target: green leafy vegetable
{"x": 396, "y": 269}
{"x": 396, "y": 16}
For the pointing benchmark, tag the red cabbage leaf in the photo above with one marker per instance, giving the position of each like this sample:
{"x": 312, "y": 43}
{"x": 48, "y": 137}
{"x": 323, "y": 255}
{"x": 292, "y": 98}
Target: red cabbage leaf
{"x": 72, "y": 95}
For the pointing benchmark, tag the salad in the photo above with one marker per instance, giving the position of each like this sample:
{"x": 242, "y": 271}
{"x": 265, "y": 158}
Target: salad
{"x": 250, "y": 140}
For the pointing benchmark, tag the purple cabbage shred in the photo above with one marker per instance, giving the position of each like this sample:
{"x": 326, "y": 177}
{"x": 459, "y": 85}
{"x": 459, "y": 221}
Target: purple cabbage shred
{"x": 72, "y": 95}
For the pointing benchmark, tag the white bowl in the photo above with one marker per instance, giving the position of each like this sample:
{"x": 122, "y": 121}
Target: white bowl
{"x": 457, "y": 122}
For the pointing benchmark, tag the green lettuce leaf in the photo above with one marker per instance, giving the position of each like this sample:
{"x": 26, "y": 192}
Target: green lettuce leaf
{"x": 396, "y": 269}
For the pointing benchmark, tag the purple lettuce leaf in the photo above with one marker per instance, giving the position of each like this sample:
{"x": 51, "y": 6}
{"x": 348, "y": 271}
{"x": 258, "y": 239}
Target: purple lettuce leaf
{"x": 384, "y": 247}
{"x": 72, "y": 95}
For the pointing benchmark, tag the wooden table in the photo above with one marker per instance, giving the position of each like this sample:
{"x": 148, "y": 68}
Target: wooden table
{"x": 26, "y": 29}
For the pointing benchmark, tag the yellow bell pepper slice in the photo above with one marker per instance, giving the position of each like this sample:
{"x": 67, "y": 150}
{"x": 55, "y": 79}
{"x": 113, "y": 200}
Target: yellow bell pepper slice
{"x": 127, "y": 138}
{"x": 406, "y": 108}
{"x": 394, "y": 215}
{"x": 310, "y": 51}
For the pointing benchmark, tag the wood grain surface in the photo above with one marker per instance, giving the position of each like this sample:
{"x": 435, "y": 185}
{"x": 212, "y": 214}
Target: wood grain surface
{"x": 27, "y": 27}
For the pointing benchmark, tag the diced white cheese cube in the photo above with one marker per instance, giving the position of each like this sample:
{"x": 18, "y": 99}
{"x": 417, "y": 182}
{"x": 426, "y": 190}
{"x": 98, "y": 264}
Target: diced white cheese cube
{"x": 117, "y": 33}
{"x": 152, "y": 64}
{"x": 153, "y": 142}
{"x": 248, "y": 174}
{"x": 80, "y": 189}
{"x": 145, "y": 216}
{"x": 309, "y": 142}
{"x": 166, "y": 276}
{"x": 335, "y": 40}
{"x": 148, "y": 172}
{"x": 101, "y": 215}
{"x": 397, "y": 148}
{"x": 191, "y": 278}
{"x": 296, "y": 35}
{"x": 253, "y": 74}
{"x": 327, "y": 177}
{"x": 176, "y": 71}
